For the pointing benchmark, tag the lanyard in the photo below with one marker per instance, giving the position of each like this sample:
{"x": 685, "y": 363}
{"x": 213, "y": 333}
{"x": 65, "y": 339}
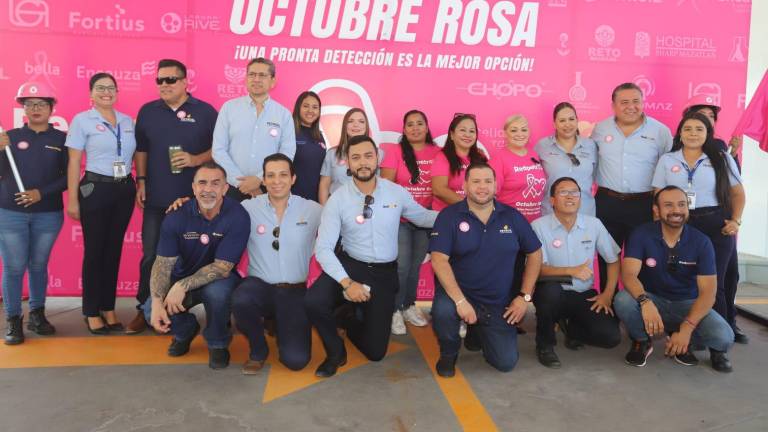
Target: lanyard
{"x": 117, "y": 136}
{"x": 691, "y": 172}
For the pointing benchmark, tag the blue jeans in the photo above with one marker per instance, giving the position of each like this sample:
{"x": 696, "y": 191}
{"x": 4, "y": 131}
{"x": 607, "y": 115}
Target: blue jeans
{"x": 713, "y": 331}
{"x": 498, "y": 338}
{"x": 26, "y": 240}
{"x": 215, "y": 297}
{"x": 412, "y": 243}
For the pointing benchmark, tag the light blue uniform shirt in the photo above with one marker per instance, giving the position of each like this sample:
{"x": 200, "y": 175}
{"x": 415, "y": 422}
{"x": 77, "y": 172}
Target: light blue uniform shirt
{"x": 557, "y": 164}
{"x": 298, "y": 231}
{"x": 367, "y": 240}
{"x": 626, "y": 164}
{"x": 337, "y": 169}
{"x": 561, "y": 248}
{"x": 241, "y": 139}
{"x": 673, "y": 170}
{"x": 89, "y": 133}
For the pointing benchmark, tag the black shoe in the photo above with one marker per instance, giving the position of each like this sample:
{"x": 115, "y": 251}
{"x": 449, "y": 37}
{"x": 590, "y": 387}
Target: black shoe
{"x": 548, "y": 358}
{"x": 639, "y": 353}
{"x": 116, "y": 327}
{"x": 14, "y": 334}
{"x": 720, "y": 361}
{"x": 218, "y": 358}
{"x": 39, "y": 324}
{"x": 739, "y": 336}
{"x": 687, "y": 358}
{"x": 472, "y": 339}
{"x": 329, "y": 366}
{"x": 180, "y": 347}
{"x": 99, "y": 331}
{"x": 446, "y": 366}
{"x": 570, "y": 343}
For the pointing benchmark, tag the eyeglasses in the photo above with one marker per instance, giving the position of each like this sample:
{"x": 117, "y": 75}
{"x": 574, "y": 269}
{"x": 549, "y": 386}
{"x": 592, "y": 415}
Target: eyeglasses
{"x": 259, "y": 75}
{"x": 168, "y": 80}
{"x": 276, "y": 241}
{"x": 472, "y": 116}
{"x": 36, "y": 105}
{"x": 574, "y": 160}
{"x": 105, "y": 89}
{"x": 367, "y": 209}
{"x": 572, "y": 193}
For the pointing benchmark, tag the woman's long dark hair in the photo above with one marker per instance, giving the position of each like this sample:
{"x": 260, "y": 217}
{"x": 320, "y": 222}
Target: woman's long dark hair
{"x": 715, "y": 155}
{"x": 315, "y": 126}
{"x": 449, "y": 149}
{"x": 409, "y": 156}
{"x": 341, "y": 149}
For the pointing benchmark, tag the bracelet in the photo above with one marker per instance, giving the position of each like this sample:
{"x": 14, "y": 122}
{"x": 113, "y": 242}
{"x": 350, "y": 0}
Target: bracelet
{"x": 141, "y": 178}
{"x": 460, "y": 301}
{"x": 691, "y": 323}
{"x": 738, "y": 221}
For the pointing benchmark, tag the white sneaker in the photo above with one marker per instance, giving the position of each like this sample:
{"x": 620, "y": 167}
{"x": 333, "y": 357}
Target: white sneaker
{"x": 398, "y": 324}
{"x": 414, "y": 316}
{"x": 463, "y": 330}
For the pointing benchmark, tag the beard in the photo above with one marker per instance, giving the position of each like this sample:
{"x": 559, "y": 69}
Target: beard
{"x": 480, "y": 201}
{"x": 361, "y": 177}
{"x": 674, "y": 220}
{"x": 207, "y": 201}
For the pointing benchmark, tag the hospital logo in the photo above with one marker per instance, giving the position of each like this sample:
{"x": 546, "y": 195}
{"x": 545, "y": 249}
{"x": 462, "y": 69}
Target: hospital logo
{"x": 642, "y": 44}
{"x": 685, "y": 46}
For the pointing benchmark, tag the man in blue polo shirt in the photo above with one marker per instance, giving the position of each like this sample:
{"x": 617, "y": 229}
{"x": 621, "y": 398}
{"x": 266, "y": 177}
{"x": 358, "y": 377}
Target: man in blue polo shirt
{"x": 175, "y": 120}
{"x": 565, "y": 291}
{"x": 250, "y": 128}
{"x": 198, "y": 249}
{"x": 474, "y": 245}
{"x": 669, "y": 279}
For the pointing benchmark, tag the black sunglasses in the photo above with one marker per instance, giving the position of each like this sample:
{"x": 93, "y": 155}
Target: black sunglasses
{"x": 167, "y": 80}
{"x": 472, "y": 116}
{"x": 574, "y": 160}
{"x": 276, "y": 235}
{"x": 367, "y": 209}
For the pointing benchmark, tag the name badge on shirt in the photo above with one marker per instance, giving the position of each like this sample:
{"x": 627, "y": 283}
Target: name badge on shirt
{"x": 691, "y": 195}
{"x": 118, "y": 170}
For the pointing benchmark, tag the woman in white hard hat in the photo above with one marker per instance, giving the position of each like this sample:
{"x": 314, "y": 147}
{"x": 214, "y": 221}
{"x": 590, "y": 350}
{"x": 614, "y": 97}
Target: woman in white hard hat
{"x": 31, "y": 216}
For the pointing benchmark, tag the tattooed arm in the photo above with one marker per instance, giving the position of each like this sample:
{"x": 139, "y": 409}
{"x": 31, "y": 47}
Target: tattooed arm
{"x": 159, "y": 284}
{"x": 218, "y": 269}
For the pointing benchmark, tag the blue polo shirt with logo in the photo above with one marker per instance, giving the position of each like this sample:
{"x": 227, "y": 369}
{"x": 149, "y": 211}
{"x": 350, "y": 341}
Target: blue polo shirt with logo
{"x": 159, "y": 127}
{"x": 198, "y": 241}
{"x": 483, "y": 256}
{"x": 671, "y": 273}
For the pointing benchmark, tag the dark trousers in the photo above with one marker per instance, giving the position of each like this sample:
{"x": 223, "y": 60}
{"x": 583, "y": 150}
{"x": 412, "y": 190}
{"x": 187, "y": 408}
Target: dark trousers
{"x": 553, "y": 303}
{"x": 731, "y": 284}
{"x": 254, "y": 300}
{"x": 620, "y": 217}
{"x": 150, "y": 235}
{"x": 498, "y": 338}
{"x": 371, "y": 325}
{"x": 104, "y": 216}
{"x": 710, "y": 221}
{"x": 216, "y": 299}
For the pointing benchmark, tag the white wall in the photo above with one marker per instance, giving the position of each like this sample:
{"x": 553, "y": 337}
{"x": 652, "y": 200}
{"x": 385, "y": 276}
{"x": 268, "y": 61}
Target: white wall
{"x": 753, "y": 235}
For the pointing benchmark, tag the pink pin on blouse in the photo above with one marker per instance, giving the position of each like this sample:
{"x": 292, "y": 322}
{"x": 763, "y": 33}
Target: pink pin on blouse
{"x": 181, "y": 114}
{"x": 650, "y": 262}
{"x": 22, "y": 145}
{"x": 464, "y": 226}
{"x": 676, "y": 169}
{"x": 608, "y": 138}
{"x": 557, "y": 243}
{"x": 261, "y": 229}
{"x": 273, "y": 132}
{"x": 100, "y": 128}
{"x": 359, "y": 219}
{"x": 204, "y": 239}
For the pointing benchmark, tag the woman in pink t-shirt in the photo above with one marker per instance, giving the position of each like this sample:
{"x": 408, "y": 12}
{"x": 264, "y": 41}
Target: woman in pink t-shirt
{"x": 409, "y": 164}
{"x": 520, "y": 178}
{"x": 448, "y": 168}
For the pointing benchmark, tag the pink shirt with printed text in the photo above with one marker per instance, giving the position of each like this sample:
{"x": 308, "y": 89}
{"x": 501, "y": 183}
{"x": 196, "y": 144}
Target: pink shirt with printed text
{"x": 422, "y": 190}
{"x": 520, "y": 181}
{"x": 440, "y": 167}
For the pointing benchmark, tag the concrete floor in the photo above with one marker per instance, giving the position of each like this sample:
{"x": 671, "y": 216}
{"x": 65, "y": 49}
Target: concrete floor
{"x": 594, "y": 390}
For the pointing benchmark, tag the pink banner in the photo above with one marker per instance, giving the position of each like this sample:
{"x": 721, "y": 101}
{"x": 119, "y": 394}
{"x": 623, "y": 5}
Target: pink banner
{"x": 385, "y": 56}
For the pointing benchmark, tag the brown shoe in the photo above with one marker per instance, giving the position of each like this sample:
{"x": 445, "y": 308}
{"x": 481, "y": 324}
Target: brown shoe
{"x": 252, "y": 367}
{"x": 137, "y": 325}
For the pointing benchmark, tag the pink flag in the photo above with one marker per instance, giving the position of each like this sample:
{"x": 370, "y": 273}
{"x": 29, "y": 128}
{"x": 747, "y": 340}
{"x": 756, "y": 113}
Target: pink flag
{"x": 754, "y": 121}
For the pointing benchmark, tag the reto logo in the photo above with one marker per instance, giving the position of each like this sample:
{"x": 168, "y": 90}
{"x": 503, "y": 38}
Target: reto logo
{"x": 117, "y": 22}
{"x": 605, "y": 36}
{"x": 171, "y": 23}
{"x": 28, "y": 13}
{"x": 234, "y": 74}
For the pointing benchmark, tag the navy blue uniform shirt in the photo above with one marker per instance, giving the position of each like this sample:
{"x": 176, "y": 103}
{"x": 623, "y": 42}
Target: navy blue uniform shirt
{"x": 159, "y": 127}
{"x": 41, "y": 159}
{"x": 307, "y": 162}
{"x": 483, "y": 256}
{"x": 197, "y": 241}
{"x": 671, "y": 273}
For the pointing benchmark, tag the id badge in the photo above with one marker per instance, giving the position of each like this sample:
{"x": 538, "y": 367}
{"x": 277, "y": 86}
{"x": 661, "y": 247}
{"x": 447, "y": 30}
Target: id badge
{"x": 691, "y": 200}
{"x": 118, "y": 170}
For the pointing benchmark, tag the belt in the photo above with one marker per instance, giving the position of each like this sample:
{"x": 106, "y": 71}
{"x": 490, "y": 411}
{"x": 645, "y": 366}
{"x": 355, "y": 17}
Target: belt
{"x": 291, "y": 285}
{"x": 706, "y": 211}
{"x": 391, "y": 264}
{"x": 99, "y": 178}
{"x": 625, "y": 196}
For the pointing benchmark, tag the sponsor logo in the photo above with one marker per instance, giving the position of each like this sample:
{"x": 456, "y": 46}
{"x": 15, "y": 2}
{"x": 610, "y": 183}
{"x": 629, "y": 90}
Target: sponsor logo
{"x": 28, "y": 13}
{"x": 3, "y": 76}
{"x": 605, "y": 36}
{"x": 642, "y": 44}
{"x": 563, "y": 49}
{"x": 709, "y": 89}
{"x": 557, "y": 3}
{"x": 115, "y": 22}
{"x": 40, "y": 69}
{"x": 506, "y": 89}
{"x": 172, "y": 23}
{"x": 737, "y": 52}
{"x": 130, "y": 78}
{"x": 685, "y": 46}
{"x": 235, "y": 75}
{"x": 648, "y": 87}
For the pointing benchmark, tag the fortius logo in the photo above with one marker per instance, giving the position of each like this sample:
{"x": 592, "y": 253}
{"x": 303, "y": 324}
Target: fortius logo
{"x": 114, "y": 22}
{"x": 505, "y": 89}
{"x": 605, "y": 37}
{"x": 685, "y": 46}
{"x": 172, "y": 23}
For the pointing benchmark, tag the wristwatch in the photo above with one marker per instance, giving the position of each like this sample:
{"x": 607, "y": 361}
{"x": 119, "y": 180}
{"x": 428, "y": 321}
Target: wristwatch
{"x": 642, "y": 298}
{"x": 526, "y": 297}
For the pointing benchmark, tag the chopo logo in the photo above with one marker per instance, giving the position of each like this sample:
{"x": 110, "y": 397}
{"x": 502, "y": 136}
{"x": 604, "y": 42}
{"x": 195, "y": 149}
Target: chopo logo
{"x": 171, "y": 23}
{"x": 117, "y": 22}
{"x": 709, "y": 89}
{"x": 685, "y": 46}
{"x": 605, "y": 36}
{"x": 504, "y": 89}
{"x": 28, "y": 13}
{"x": 642, "y": 44}
{"x": 563, "y": 49}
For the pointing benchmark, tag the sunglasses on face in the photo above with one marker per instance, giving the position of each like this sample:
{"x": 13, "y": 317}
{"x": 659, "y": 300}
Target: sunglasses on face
{"x": 167, "y": 80}
{"x": 574, "y": 160}
{"x": 276, "y": 241}
{"x": 367, "y": 209}
{"x": 472, "y": 116}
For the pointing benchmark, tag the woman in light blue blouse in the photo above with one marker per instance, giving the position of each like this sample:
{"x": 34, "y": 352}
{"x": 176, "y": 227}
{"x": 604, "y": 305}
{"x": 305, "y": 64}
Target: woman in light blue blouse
{"x": 333, "y": 173}
{"x": 566, "y": 154}
{"x": 102, "y": 200}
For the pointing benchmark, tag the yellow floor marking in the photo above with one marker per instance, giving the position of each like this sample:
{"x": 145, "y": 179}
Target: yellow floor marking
{"x": 470, "y": 412}
{"x": 752, "y": 301}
